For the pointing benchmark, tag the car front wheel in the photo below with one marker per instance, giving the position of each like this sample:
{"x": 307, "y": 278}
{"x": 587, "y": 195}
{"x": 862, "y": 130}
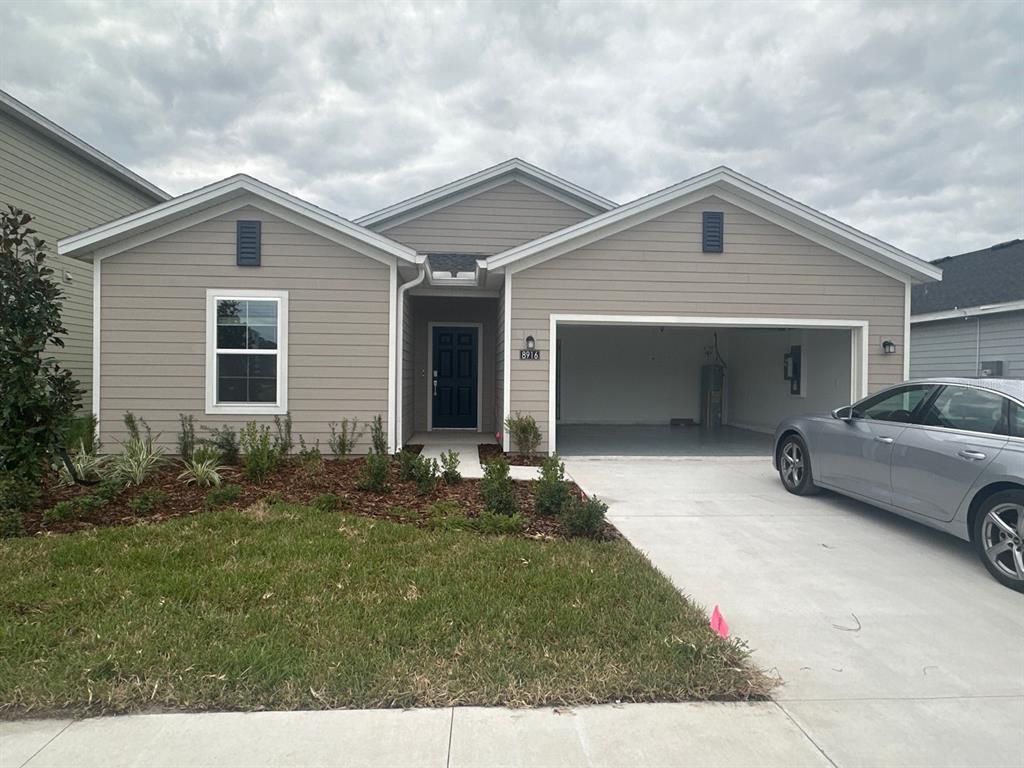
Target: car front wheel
{"x": 999, "y": 537}
{"x": 795, "y": 466}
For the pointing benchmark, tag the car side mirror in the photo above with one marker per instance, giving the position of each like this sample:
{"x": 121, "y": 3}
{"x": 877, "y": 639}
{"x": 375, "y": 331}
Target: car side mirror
{"x": 843, "y": 414}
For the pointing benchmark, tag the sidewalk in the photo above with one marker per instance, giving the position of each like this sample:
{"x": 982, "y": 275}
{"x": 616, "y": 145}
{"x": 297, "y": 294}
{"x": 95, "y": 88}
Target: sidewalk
{"x": 691, "y": 734}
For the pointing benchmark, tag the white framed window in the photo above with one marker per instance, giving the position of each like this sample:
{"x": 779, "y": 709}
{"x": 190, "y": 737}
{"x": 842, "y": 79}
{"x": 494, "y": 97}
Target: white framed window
{"x": 246, "y": 351}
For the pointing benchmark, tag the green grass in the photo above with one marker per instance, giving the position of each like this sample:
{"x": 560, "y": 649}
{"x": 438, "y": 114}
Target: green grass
{"x": 293, "y": 607}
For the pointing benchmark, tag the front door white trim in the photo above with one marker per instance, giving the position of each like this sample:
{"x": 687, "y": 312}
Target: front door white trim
{"x": 858, "y": 344}
{"x": 479, "y": 370}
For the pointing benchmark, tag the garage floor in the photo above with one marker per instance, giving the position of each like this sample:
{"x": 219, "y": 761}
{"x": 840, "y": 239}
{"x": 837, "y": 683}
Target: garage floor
{"x": 643, "y": 440}
{"x": 894, "y": 644}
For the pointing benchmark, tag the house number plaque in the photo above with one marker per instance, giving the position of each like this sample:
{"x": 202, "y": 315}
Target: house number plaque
{"x": 529, "y": 354}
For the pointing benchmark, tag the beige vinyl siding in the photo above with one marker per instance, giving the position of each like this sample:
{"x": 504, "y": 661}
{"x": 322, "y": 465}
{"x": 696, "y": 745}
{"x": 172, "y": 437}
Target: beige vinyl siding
{"x": 65, "y": 194}
{"x": 488, "y": 222}
{"x": 408, "y": 369}
{"x": 658, "y": 268}
{"x": 444, "y": 310}
{"x": 153, "y": 327}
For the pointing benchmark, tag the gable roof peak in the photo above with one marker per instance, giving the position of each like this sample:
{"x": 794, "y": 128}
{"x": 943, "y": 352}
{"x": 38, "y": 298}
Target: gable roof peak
{"x": 512, "y": 169}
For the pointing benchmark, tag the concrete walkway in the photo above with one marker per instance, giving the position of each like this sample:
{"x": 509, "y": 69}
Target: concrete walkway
{"x": 466, "y": 444}
{"x": 635, "y": 735}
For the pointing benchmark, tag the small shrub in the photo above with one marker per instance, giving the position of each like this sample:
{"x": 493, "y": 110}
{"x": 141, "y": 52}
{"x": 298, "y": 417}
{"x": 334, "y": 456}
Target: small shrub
{"x": 202, "y": 469}
{"x": 524, "y": 432}
{"x": 147, "y": 501}
{"x": 377, "y": 436}
{"x": 450, "y": 468}
{"x": 139, "y": 454}
{"x": 83, "y": 434}
{"x": 329, "y": 502}
{"x": 259, "y": 457}
{"x": 310, "y": 457}
{"x": 552, "y": 491}
{"x": 406, "y": 465}
{"x": 186, "y": 436}
{"x": 225, "y": 441}
{"x": 18, "y": 493}
{"x": 87, "y": 466}
{"x": 222, "y": 496}
{"x": 497, "y": 489}
{"x": 109, "y": 488}
{"x": 59, "y": 513}
{"x": 374, "y": 475}
{"x": 283, "y": 439}
{"x": 274, "y": 497}
{"x": 584, "y": 517}
{"x": 425, "y": 475}
{"x": 344, "y": 436}
{"x": 489, "y": 522}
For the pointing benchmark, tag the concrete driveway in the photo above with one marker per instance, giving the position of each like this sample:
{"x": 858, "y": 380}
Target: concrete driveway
{"x": 894, "y": 644}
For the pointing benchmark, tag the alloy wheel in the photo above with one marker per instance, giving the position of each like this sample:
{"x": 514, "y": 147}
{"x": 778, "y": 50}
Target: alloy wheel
{"x": 1002, "y": 534}
{"x": 792, "y": 463}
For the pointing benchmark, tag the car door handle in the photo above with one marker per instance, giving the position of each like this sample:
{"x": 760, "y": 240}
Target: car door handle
{"x": 972, "y": 455}
{"x": 885, "y": 440}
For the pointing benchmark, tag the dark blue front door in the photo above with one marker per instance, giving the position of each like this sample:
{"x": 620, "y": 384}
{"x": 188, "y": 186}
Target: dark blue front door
{"x": 454, "y": 374}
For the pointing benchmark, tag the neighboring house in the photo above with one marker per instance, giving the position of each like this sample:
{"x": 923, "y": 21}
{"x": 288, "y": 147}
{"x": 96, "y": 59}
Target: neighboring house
{"x": 510, "y": 290}
{"x": 67, "y": 186}
{"x": 972, "y": 323}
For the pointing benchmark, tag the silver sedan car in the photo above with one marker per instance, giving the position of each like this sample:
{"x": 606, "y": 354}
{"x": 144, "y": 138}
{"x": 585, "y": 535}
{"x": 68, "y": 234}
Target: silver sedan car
{"x": 948, "y": 453}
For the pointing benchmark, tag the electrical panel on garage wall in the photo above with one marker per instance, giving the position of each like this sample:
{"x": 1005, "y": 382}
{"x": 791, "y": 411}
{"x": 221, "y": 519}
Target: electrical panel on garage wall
{"x": 793, "y": 369}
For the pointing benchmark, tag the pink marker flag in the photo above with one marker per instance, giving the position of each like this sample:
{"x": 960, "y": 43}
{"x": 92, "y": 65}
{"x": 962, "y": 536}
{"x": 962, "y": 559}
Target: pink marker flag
{"x": 718, "y": 623}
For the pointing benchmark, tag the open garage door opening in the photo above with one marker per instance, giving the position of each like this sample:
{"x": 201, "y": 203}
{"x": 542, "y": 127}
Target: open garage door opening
{"x": 685, "y": 390}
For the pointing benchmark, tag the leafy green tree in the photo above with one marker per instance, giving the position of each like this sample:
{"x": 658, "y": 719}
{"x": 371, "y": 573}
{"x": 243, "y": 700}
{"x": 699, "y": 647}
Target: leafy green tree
{"x": 38, "y": 398}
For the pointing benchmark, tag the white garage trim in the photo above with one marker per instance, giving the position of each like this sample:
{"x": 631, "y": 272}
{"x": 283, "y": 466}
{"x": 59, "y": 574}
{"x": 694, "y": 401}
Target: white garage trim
{"x": 858, "y": 346}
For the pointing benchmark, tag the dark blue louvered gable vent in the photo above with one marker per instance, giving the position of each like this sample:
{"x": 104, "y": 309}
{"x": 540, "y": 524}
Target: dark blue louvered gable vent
{"x": 714, "y": 231}
{"x": 247, "y": 244}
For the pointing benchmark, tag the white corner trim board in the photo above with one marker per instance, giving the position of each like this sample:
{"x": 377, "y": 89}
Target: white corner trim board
{"x": 280, "y": 406}
{"x": 858, "y": 344}
{"x": 399, "y": 353}
{"x": 506, "y": 399}
{"x": 97, "y": 283}
{"x": 906, "y": 332}
{"x": 392, "y": 351}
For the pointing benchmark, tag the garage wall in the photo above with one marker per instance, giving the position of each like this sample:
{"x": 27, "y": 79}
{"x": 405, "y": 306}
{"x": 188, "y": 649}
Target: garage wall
{"x": 757, "y": 395}
{"x": 657, "y": 267}
{"x": 631, "y": 374}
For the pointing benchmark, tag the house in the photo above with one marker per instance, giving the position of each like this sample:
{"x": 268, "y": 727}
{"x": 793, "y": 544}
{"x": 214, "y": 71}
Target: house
{"x": 510, "y": 290}
{"x": 67, "y": 186}
{"x": 972, "y": 323}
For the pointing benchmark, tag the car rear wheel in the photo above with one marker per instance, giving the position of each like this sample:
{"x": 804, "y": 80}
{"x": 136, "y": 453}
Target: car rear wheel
{"x": 999, "y": 537}
{"x": 795, "y": 466}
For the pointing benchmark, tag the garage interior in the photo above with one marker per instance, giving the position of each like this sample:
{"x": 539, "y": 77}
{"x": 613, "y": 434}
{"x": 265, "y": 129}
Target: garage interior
{"x": 649, "y": 390}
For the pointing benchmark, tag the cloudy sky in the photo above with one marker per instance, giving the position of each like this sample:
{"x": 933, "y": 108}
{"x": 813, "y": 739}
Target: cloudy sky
{"x": 906, "y": 121}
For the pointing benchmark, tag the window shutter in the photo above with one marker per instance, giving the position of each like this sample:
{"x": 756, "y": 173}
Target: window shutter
{"x": 714, "y": 231}
{"x": 248, "y": 244}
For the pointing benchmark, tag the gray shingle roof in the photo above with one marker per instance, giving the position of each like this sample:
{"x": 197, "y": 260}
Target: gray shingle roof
{"x": 990, "y": 276}
{"x": 453, "y": 262}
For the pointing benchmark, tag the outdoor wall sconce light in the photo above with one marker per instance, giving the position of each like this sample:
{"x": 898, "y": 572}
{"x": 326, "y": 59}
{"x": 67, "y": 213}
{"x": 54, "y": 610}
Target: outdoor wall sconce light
{"x": 888, "y": 346}
{"x": 531, "y": 343}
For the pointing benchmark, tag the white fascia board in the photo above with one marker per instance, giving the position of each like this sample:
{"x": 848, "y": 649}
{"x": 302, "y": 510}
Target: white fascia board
{"x": 722, "y": 181}
{"x": 69, "y": 141}
{"x": 82, "y": 244}
{"x": 445, "y": 195}
{"x": 952, "y": 314}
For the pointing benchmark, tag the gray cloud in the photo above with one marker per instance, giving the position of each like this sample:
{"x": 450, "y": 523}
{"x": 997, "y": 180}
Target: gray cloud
{"x": 905, "y": 120}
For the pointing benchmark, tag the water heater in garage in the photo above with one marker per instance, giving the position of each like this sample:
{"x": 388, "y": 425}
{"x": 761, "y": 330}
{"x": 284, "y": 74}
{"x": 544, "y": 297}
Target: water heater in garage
{"x": 712, "y": 384}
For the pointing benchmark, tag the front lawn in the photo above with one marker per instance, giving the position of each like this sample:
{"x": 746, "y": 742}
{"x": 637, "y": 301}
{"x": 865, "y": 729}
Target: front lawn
{"x": 285, "y": 606}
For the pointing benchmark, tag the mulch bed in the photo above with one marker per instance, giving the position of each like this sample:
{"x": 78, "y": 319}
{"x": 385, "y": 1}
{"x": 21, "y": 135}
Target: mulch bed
{"x": 490, "y": 451}
{"x": 292, "y": 482}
